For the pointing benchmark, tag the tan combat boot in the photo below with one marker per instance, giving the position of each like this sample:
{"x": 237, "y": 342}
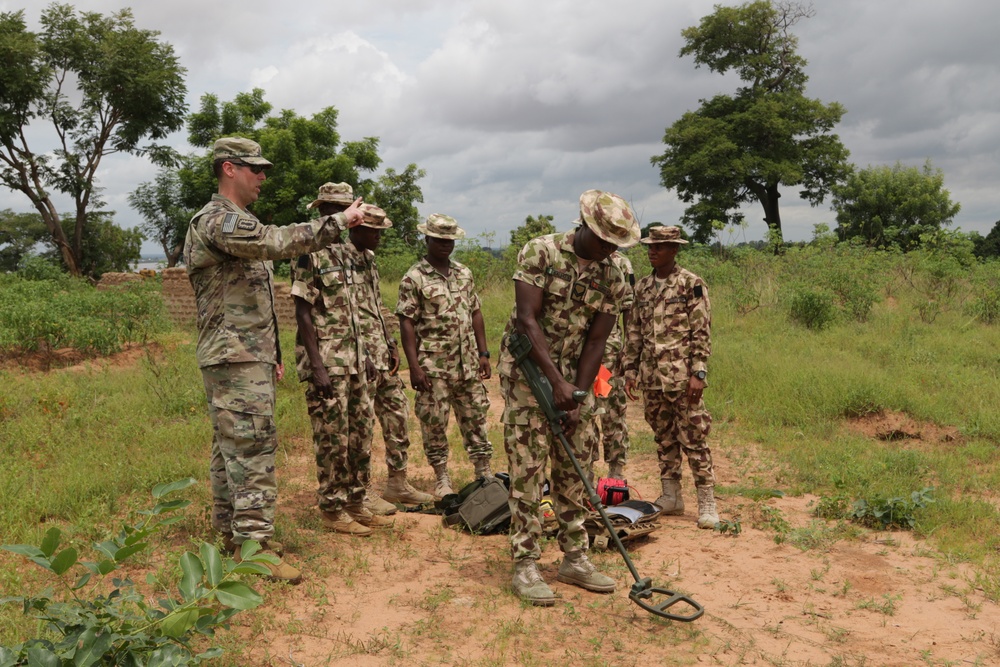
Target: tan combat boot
{"x": 481, "y": 466}
{"x": 443, "y": 486}
{"x": 670, "y": 502}
{"x": 230, "y": 547}
{"x": 398, "y": 490}
{"x": 280, "y": 571}
{"x": 577, "y": 569}
{"x": 708, "y": 517}
{"x": 367, "y": 518}
{"x": 342, "y": 522}
{"x": 529, "y": 585}
{"x": 376, "y": 504}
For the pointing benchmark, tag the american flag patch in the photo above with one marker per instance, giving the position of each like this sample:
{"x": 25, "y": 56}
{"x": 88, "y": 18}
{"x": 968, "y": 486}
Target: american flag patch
{"x": 229, "y": 223}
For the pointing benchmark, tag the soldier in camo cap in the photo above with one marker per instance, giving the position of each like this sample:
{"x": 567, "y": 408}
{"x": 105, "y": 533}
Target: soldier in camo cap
{"x": 444, "y": 340}
{"x": 387, "y": 387}
{"x": 668, "y": 342}
{"x": 228, "y": 255}
{"x": 332, "y": 359}
{"x": 568, "y": 294}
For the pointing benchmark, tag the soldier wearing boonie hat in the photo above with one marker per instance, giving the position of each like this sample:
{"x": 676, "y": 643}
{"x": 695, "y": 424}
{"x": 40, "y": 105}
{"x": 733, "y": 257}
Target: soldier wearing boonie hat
{"x": 568, "y": 293}
{"x": 228, "y": 255}
{"x": 444, "y": 339}
{"x": 668, "y": 343}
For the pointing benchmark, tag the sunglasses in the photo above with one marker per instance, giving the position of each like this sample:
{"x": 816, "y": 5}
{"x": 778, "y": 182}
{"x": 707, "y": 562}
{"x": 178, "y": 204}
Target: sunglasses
{"x": 255, "y": 168}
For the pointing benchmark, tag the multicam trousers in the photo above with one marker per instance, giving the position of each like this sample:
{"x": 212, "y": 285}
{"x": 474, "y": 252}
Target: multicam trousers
{"x": 391, "y": 409}
{"x": 679, "y": 426}
{"x": 529, "y": 443}
{"x": 342, "y": 439}
{"x": 469, "y": 400}
{"x": 244, "y": 440}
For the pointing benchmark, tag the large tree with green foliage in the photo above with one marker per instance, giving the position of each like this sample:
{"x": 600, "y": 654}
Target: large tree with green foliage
{"x": 397, "y": 193}
{"x": 893, "y": 205}
{"x": 105, "y": 86}
{"x": 989, "y": 245}
{"x": 306, "y": 153}
{"x": 19, "y": 234}
{"x": 740, "y": 148}
{"x": 533, "y": 227}
{"x": 164, "y": 219}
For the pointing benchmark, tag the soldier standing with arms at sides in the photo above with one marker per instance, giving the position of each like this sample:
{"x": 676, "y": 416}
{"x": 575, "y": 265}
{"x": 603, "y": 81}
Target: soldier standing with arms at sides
{"x": 387, "y": 388}
{"x": 444, "y": 340}
{"x": 331, "y": 358}
{"x": 228, "y": 255}
{"x": 567, "y": 297}
{"x": 668, "y": 342}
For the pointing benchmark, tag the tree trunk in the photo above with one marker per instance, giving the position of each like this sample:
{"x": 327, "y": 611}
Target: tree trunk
{"x": 768, "y": 196}
{"x": 54, "y": 225}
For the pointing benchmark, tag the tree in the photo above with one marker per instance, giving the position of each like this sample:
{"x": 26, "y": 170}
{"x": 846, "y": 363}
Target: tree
{"x": 306, "y": 153}
{"x": 893, "y": 205}
{"x": 396, "y": 193}
{"x": 988, "y": 246}
{"x": 165, "y": 220}
{"x": 106, "y": 247}
{"x": 532, "y": 228}
{"x": 740, "y": 148}
{"x": 104, "y": 85}
{"x": 19, "y": 234}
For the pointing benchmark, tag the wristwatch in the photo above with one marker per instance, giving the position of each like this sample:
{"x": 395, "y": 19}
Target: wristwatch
{"x": 485, "y": 354}
{"x": 701, "y": 375}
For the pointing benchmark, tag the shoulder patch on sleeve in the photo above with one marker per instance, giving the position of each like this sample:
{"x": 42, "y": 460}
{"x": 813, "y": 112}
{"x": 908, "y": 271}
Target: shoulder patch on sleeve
{"x": 698, "y": 291}
{"x": 303, "y": 262}
{"x": 229, "y": 223}
{"x": 247, "y": 224}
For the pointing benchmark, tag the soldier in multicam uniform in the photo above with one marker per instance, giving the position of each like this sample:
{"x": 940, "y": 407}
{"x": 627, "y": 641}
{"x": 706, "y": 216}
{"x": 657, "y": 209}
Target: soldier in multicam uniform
{"x": 331, "y": 358}
{"x": 567, "y": 299}
{"x": 387, "y": 387}
{"x": 228, "y": 254}
{"x": 444, "y": 340}
{"x": 668, "y": 342}
{"x": 608, "y": 426}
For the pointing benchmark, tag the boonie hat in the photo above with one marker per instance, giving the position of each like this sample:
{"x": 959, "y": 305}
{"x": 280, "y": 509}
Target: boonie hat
{"x": 374, "y": 217}
{"x": 334, "y": 193}
{"x": 238, "y": 148}
{"x": 610, "y": 217}
{"x": 664, "y": 235}
{"x": 441, "y": 227}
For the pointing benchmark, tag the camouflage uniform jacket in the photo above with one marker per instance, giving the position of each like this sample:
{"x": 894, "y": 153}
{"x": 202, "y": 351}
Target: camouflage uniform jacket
{"x": 441, "y": 309}
{"x": 323, "y": 280}
{"x": 616, "y": 339}
{"x": 228, "y": 255}
{"x": 570, "y": 300}
{"x": 670, "y": 331}
{"x": 368, "y": 297}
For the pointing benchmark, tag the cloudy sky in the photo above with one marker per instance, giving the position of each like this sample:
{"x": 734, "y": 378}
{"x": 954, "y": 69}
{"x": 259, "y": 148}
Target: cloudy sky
{"x": 514, "y": 108}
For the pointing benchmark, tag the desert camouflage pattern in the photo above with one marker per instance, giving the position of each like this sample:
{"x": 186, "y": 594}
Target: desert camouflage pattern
{"x": 228, "y": 255}
{"x": 441, "y": 308}
{"x": 244, "y": 441}
{"x": 571, "y": 298}
{"x": 387, "y": 392}
{"x": 469, "y": 400}
{"x": 323, "y": 280}
{"x": 610, "y": 217}
{"x": 669, "y": 332}
{"x": 529, "y": 444}
{"x": 238, "y": 148}
{"x": 333, "y": 193}
{"x": 680, "y": 427}
{"x": 342, "y": 436}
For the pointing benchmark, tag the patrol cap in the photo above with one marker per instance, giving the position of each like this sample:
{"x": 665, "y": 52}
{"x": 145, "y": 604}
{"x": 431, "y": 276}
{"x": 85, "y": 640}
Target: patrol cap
{"x": 334, "y": 193}
{"x": 238, "y": 148}
{"x": 374, "y": 217}
{"x": 664, "y": 235}
{"x": 441, "y": 227}
{"x": 610, "y": 217}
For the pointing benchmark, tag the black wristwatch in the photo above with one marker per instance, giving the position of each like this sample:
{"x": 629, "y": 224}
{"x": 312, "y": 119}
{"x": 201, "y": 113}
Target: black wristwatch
{"x": 485, "y": 355}
{"x": 701, "y": 375}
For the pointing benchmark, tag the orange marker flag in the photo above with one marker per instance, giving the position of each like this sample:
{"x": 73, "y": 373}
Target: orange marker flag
{"x": 601, "y": 386}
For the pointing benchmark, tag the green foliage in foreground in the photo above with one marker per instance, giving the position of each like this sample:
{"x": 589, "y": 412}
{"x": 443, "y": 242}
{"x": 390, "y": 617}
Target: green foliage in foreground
{"x": 85, "y": 625}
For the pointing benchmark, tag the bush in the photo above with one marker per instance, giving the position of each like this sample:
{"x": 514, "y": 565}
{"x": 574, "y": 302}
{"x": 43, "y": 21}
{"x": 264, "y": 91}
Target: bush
{"x": 813, "y": 308}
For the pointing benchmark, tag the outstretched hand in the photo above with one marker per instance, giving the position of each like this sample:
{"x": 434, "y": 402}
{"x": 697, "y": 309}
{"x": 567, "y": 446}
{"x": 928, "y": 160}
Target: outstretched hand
{"x": 353, "y": 213}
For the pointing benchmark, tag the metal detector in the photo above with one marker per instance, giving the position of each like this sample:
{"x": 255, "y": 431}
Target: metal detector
{"x": 654, "y": 600}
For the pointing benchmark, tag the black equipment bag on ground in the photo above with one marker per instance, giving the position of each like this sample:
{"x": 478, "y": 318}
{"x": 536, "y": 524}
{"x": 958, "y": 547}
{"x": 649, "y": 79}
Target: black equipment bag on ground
{"x": 480, "y": 507}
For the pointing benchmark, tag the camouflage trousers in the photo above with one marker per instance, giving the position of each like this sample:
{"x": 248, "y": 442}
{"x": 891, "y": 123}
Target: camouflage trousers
{"x": 244, "y": 440}
{"x": 610, "y": 426}
{"x": 469, "y": 400}
{"x": 679, "y": 426}
{"x": 530, "y": 444}
{"x": 391, "y": 409}
{"x": 342, "y": 439}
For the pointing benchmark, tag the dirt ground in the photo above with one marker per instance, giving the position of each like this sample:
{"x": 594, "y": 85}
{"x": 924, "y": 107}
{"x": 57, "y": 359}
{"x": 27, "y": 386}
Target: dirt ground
{"x": 421, "y": 594}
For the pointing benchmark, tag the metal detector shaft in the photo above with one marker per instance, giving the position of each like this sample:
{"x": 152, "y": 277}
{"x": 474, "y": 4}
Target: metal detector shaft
{"x": 642, "y": 591}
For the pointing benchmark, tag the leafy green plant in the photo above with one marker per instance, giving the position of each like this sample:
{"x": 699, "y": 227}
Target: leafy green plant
{"x": 729, "y": 527}
{"x": 832, "y": 507}
{"x": 886, "y": 513}
{"x": 813, "y": 308}
{"x": 87, "y": 626}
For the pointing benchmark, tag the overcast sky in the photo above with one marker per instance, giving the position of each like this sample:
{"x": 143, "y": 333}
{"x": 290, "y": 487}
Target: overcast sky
{"x": 516, "y": 107}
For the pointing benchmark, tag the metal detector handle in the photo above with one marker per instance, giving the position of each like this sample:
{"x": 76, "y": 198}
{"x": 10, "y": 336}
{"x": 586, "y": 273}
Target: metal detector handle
{"x": 519, "y": 346}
